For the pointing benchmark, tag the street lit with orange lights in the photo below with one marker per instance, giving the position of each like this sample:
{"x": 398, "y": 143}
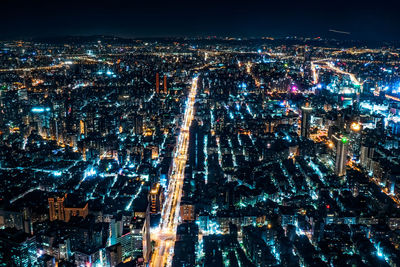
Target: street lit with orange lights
{"x": 328, "y": 65}
{"x": 165, "y": 234}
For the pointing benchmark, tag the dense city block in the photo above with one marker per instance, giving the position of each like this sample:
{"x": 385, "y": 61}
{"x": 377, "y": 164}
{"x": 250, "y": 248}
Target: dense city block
{"x": 208, "y": 152}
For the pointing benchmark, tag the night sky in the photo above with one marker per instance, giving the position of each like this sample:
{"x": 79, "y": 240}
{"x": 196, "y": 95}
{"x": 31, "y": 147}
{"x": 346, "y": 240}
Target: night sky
{"x": 39, "y": 18}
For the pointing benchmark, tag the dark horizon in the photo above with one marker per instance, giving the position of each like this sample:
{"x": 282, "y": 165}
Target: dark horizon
{"x": 131, "y": 19}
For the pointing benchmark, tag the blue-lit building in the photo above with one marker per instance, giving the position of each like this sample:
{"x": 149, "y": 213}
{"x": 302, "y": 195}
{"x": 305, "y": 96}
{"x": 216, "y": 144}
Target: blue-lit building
{"x": 17, "y": 248}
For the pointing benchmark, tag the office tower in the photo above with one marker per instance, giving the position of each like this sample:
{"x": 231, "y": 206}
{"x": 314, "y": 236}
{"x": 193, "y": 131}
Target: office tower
{"x": 54, "y": 131}
{"x": 18, "y": 219}
{"x": 46, "y": 260}
{"x": 156, "y": 198}
{"x": 366, "y": 156}
{"x": 120, "y": 235}
{"x": 116, "y": 230}
{"x": 341, "y": 155}
{"x": 60, "y": 210}
{"x": 157, "y": 83}
{"x": 395, "y": 128}
{"x": 2, "y": 94}
{"x": 146, "y": 155}
{"x": 140, "y": 232}
{"x": 114, "y": 255}
{"x": 305, "y": 120}
{"x": 307, "y": 53}
{"x": 17, "y": 248}
{"x": 78, "y": 209}
{"x": 380, "y": 125}
{"x": 187, "y": 212}
{"x": 165, "y": 84}
{"x": 82, "y": 127}
{"x": 40, "y": 117}
{"x": 56, "y": 208}
{"x": 23, "y": 94}
{"x": 138, "y": 127}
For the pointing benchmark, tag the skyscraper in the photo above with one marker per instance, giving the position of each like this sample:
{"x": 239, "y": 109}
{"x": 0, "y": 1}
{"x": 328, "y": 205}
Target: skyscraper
{"x": 156, "y": 198}
{"x": 165, "y": 84}
{"x": 366, "y": 156}
{"x": 157, "y": 83}
{"x": 187, "y": 212}
{"x": 17, "y": 248}
{"x": 140, "y": 233}
{"x": 56, "y": 208}
{"x": 138, "y": 126}
{"x": 60, "y": 210}
{"x": 114, "y": 255}
{"x": 305, "y": 120}
{"x": 341, "y": 155}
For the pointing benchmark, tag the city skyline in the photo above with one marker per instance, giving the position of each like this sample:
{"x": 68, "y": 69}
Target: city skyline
{"x": 138, "y": 19}
{"x": 252, "y": 134}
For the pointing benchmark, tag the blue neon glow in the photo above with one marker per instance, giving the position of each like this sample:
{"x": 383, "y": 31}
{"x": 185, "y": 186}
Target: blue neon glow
{"x": 89, "y": 172}
{"x": 37, "y": 110}
{"x": 243, "y": 85}
{"x": 57, "y": 173}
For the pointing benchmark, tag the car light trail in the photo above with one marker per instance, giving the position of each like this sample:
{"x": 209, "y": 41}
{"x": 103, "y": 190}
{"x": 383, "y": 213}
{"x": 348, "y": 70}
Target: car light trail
{"x": 314, "y": 73}
{"x": 165, "y": 235}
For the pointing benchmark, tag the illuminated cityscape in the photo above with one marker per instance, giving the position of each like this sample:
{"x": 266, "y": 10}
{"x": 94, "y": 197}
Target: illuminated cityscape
{"x": 165, "y": 147}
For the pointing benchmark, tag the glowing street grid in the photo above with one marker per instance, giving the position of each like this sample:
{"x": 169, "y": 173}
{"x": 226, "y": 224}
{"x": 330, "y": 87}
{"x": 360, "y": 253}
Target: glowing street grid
{"x": 165, "y": 236}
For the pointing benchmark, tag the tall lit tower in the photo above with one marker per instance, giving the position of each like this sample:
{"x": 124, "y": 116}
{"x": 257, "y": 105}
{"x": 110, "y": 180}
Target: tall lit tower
{"x": 165, "y": 84}
{"x": 341, "y": 155}
{"x": 138, "y": 124}
{"x": 157, "y": 83}
{"x": 305, "y": 120}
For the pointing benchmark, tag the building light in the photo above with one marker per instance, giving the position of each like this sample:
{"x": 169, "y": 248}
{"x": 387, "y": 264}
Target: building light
{"x": 37, "y": 110}
{"x": 57, "y": 173}
{"x": 355, "y": 126}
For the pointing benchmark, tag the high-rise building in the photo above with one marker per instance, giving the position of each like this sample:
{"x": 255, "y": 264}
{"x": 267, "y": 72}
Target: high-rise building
{"x": 156, "y": 198}
{"x": 380, "y": 125}
{"x": 18, "y": 219}
{"x": 366, "y": 156}
{"x": 157, "y": 83}
{"x": 114, "y": 255}
{"x": 138, "y": 127}
{"x": 56, "y": 208}
{"x": 140, "y": 233}
{"x": 82, "y": 127}
{"x": 60, "y": 210}
{"x": 46, "y": 260}
{"x": 40, "y": 119}
{"x": 125, "y": 240}
{"x": 341, "y": 155}
{"x": 17, "y": 248}
{"x": 187, "y": 212}
{"x": 165, "y": 84}
{"x": 305, "y": 120}
{"x": 116, "y": 229}
{"x": 80, "y": 210}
